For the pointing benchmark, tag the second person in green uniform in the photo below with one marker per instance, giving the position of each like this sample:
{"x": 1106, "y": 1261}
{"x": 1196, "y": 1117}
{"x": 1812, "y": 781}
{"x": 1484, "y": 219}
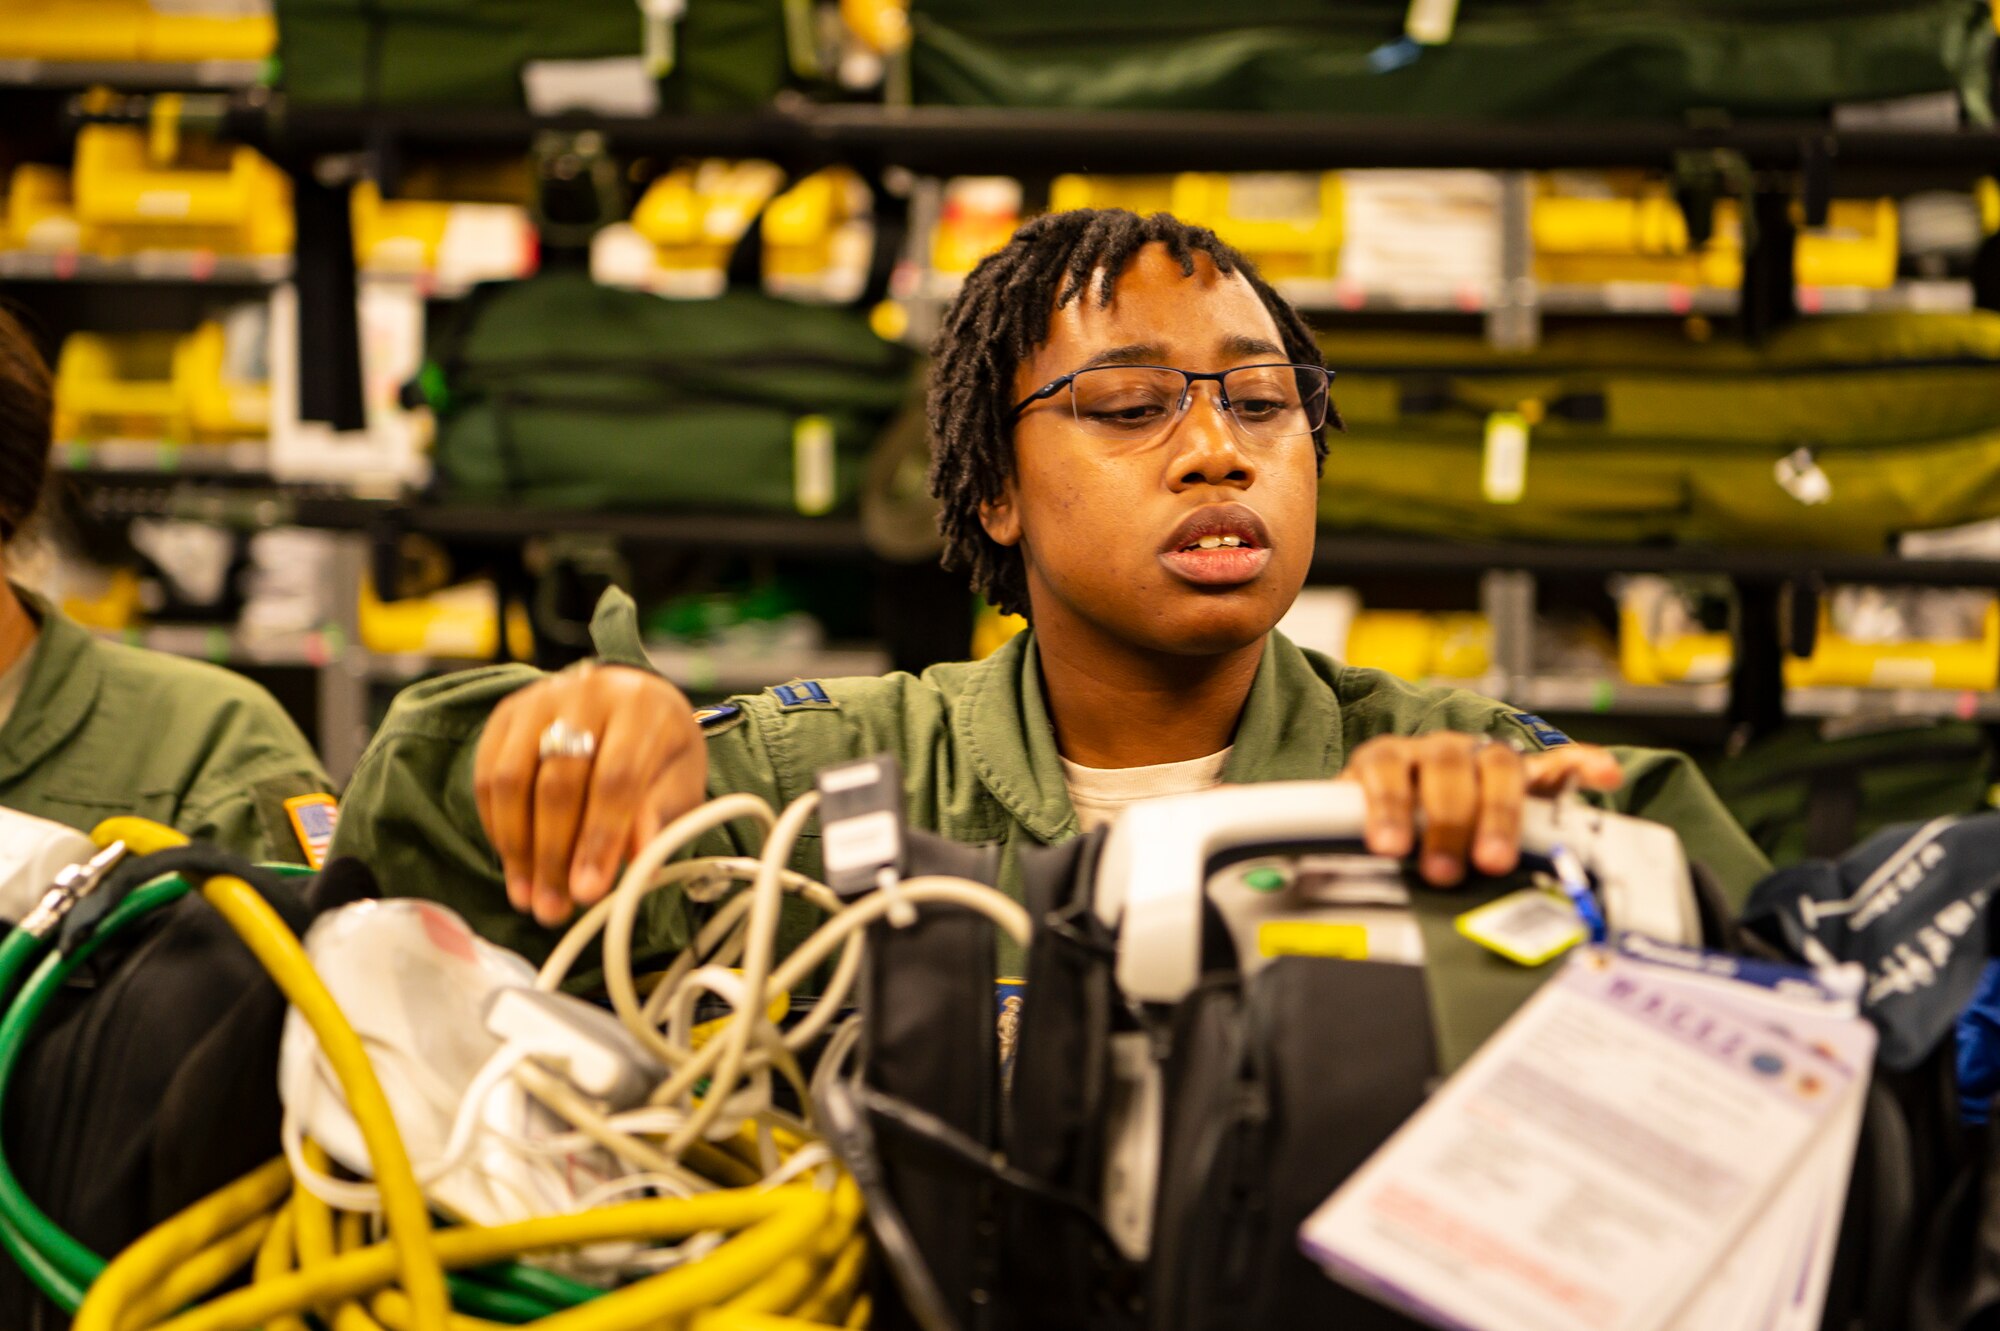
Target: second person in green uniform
{"x": 1128, "y": 429}
{"x": 91, "y": 729}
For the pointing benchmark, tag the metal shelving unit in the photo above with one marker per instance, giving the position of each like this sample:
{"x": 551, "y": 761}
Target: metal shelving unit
{"x": 1813, "y": 160}
{"x": 148, "y": 266}
{"x": 948, "y": 141}
{"x": 167, "y": 75}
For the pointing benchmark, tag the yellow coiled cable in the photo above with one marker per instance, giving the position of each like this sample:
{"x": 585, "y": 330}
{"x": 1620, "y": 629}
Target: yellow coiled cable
{"x": 277, "y": 949}
{"x": 794, "y": 1248}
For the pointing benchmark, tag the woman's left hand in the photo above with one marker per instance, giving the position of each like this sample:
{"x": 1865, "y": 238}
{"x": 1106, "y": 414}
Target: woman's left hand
{"x": 1468, "y": 790}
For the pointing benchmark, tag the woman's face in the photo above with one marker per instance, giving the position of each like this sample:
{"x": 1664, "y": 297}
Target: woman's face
{"x": 1110, "y": 529}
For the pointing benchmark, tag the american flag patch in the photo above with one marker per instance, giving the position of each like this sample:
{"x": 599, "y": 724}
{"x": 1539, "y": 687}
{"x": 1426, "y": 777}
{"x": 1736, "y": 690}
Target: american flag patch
{"x": 313, "y": 819}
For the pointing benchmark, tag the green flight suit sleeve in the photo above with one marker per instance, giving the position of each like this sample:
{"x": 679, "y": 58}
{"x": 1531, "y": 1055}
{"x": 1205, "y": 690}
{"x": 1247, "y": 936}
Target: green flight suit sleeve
{"x": 253, "y": 820}
{"x": 774, "y": 743}
{"x": 409, "y": 811}
{"x": 1667, "y": 787}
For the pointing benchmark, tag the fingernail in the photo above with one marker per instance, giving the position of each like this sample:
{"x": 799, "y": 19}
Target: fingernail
{"x": 519, "y": 893}
{"x": 586, "y": 885}
{"x": 1494, "y": 854}
{"x": 1388, "y": 839}
{"x": 1442, "y": 870}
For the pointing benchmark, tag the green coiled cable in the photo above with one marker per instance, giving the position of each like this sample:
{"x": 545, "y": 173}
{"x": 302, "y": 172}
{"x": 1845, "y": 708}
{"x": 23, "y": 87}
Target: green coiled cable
{"x": 60, "y": 1267}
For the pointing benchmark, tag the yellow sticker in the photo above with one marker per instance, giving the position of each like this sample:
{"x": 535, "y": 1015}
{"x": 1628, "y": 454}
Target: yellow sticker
{"x": 1529, "y": 927}
{"x": 1313, "y": 938}
{"x": 313, "y": 819}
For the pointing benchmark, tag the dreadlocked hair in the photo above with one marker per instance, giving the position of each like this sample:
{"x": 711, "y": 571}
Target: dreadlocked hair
{"x": 1000, "y": 317}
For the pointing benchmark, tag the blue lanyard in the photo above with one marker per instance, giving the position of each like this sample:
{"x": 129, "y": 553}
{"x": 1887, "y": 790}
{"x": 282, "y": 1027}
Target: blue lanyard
{"x": 1576, "y": 886}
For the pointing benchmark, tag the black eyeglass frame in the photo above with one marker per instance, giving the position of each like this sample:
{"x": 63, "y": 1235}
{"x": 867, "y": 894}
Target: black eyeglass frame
{"x": 1190, "y": 378}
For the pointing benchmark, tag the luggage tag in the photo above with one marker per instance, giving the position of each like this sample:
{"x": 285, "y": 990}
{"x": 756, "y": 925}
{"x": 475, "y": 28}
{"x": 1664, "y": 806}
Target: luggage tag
{"x": 1530, "y": 927}
{"x": 1537, "y": 924}
{"x": 1607, "y": 1160}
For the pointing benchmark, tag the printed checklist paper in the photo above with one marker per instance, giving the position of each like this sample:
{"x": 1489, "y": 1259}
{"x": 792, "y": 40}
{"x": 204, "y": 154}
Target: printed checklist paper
{"x": 1661, "y": 1138}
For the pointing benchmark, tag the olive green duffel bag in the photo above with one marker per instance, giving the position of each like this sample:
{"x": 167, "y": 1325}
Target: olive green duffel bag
{"x": 1836, "y": 434}
{"x": 556, "y": 392}
{"x": 1505, "y": 59}
{"x": 1815, "y": 791}
{"x": 729, "y": 55}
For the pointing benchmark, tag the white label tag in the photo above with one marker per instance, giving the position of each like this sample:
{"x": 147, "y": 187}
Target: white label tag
{"x": 812, "y": 465}
{"x": 1800, "y": 476}
{"x": 855, "y": 843}
{"x": 1505, "y": 478}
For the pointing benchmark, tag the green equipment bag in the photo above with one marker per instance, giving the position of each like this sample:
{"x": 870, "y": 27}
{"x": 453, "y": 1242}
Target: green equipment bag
{"x": 1505, "y": 59}
{"x": 560, "y": 393}
{"x": 1835, "y": 434}
{"x": 1813, "y": 791}
{"x": 730, "y": 55}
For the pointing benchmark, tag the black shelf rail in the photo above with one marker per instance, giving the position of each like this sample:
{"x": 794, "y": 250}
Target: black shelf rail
{"x": 958, "y": 141}
{"x": 1762, "y": 575}
{"x": 1337, "y": 553}
{"x": 972, "y": 140}
{"x": 1346, "y": 553}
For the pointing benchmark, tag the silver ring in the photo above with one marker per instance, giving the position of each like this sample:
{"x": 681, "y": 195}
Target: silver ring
{"x": 563, "y": 740}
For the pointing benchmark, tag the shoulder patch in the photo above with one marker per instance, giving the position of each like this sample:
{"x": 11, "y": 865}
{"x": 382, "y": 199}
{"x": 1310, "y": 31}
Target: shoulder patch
{"x": 714, "y": 720}
{"x": 802, "y": 693}
{"x": 313, "y": 819}
{"x": 1543, "y": 733}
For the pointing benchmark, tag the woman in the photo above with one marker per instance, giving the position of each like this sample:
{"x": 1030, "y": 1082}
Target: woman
{"x": 1128, "y": 427}
{"x": 89, "y": 728}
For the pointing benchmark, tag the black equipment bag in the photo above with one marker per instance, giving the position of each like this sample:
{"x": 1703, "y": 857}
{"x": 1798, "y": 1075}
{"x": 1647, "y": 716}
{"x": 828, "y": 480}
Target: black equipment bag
{"x": 1277, "y": 1087}
{"x": 154, "y": 1079}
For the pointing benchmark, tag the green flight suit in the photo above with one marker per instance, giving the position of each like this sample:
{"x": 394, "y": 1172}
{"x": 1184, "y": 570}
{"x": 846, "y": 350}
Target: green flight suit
{"x": 102, "y": 729}
{"x": 978, "y": 756}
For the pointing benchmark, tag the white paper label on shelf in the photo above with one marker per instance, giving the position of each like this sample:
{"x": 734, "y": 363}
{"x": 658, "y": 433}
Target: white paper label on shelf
{"x": 1505, "y": 477}
{"x": 812, "y": 465}
{"x": 164, "y": 203}
{"x": 1902, "y": 673}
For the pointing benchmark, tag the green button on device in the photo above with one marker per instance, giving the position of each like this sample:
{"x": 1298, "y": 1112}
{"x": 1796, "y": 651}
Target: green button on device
{"x": 1266, "y": 879}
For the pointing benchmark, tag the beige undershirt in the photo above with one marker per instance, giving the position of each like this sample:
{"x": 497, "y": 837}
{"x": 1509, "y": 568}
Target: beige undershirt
{"x": 13, "y": 678}
{"x": 1098, "y": 793}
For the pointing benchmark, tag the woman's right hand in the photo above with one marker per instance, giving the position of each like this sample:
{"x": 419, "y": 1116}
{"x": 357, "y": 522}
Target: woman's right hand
{"x": 564, "y": 824}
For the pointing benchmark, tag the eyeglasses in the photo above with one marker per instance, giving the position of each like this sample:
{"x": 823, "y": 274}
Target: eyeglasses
{"x": 1141, "y": 402}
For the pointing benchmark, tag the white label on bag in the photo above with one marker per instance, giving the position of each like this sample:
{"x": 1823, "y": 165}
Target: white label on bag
{"x": 1800, "y": 476}
{"x": 609, "y": 86}
{"x": 812, "y": 465}
{"x": 1505, "y": 478}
